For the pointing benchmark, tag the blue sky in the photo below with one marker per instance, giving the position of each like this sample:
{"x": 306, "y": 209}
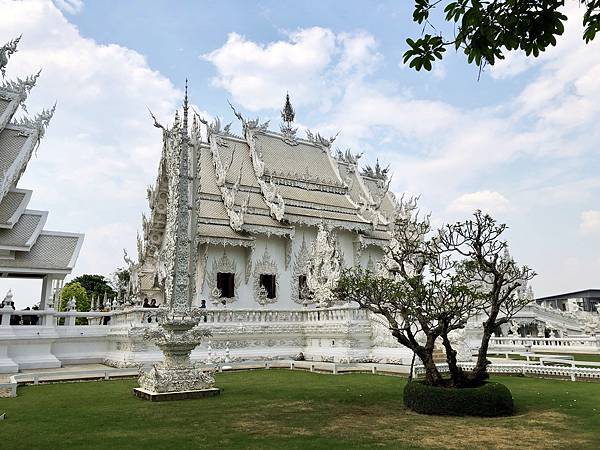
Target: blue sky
{"x": 520, "y": 142}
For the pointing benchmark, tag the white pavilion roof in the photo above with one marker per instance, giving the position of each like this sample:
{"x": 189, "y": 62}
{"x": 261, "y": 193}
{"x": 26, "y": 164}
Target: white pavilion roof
{"x": 26, "y": 249}
{"x": 12, "y": 206}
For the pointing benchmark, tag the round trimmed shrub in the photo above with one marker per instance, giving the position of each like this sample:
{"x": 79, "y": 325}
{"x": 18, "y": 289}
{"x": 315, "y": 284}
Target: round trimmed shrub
{"x": 487, "y": 400}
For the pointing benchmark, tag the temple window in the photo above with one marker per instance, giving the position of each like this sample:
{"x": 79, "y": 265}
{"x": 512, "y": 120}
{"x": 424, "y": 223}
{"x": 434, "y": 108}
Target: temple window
{"x": 302, "y": 287}
{"x": 226, "y": 284}
{"x": 269, "y": 283}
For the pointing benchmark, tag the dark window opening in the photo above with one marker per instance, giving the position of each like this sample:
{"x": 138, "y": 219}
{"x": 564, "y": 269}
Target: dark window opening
{"x": 268, "y": 282}
{"x": 226, "y": 284}
{"x": 302, "y": 287}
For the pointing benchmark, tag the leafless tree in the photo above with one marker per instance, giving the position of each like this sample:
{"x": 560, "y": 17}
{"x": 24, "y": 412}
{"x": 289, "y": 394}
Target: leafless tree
{"x": 429, "y": 284}
{"x": 492, "y": 271}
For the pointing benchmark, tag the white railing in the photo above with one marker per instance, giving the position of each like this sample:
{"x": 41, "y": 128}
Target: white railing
{"x": 341, "y": 314}
{"x": 50, "y": 317}
{"x": 591, "y": 343}
{"x": 571, "y": 372}
{"x": 58, "y": 339}
{"x": 136, "y": 316}
{"x": 10, "y": 389}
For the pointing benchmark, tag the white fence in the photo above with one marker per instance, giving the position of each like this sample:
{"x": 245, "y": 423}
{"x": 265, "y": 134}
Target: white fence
{"x": 578, "y": 343}
{"x": 50, "y": 317}
{"x": 555, "y": 371}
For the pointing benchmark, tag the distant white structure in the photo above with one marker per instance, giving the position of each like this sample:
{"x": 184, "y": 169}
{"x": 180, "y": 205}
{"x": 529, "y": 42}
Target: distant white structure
{"x": 587, "y": 300}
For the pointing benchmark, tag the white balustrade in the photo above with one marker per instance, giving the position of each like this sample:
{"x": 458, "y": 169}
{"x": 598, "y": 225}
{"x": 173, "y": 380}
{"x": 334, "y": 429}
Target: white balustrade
{"x": 49, "y": 317}
{"x": 571, "y": 372}
{"x": 264, "y": 316}
{"x": 591, "y": 343}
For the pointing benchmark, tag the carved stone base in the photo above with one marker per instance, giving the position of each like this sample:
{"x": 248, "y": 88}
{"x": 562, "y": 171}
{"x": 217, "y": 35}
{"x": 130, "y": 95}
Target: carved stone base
{"x": 180, "y": 395}
{"x": 161, "y": 379}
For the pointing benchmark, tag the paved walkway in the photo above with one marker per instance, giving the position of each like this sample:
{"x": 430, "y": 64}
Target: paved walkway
{"x": 4, "y": 377}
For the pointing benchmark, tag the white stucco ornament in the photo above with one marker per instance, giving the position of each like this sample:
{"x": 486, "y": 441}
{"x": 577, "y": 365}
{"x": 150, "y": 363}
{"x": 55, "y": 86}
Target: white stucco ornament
{"x": 324, "y": 269}
{"x": 459, "y": 343}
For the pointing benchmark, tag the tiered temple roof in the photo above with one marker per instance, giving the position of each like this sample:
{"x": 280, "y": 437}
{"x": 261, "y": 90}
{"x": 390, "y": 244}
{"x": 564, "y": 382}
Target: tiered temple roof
{"x": 26, "y": 249}
{"x": 267, "y": 182}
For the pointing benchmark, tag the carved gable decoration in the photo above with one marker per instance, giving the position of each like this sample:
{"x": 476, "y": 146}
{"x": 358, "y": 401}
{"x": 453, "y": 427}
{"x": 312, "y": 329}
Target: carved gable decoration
{"x": 222, "y": 265}
{"x": 265, "y": 266}
{"x": 324, "y": 269}
{"x": 301, "y": 267}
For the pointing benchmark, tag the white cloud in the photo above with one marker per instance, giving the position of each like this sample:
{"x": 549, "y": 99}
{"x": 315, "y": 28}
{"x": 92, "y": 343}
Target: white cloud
{"x": 590, "y": 221}
{"x": 311, "y": 64}
{"x": 100, "y": 150}
{"x": 487, "y": 201}
{"x": 358, "y": 53}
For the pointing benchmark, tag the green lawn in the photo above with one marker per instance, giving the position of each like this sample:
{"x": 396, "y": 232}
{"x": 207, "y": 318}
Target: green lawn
{"x": 284, "y": 409}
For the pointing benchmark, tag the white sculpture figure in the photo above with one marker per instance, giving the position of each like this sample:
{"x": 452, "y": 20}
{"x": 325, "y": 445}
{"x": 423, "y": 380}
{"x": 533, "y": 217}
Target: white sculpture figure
{"x": 227, "y": 358}
{"x": 71, "y": 304}
{"x": 209, "y": 353}
{"x": 324, "y": 270}
{"x": 459, "y": 343}
{"x": 572, "y": 306}
{"x": 8, "y": 300}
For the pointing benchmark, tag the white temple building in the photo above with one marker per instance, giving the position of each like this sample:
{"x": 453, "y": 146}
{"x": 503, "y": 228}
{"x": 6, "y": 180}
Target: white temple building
{"x": 259, "y": 201}
{"x": 27, "y": 250}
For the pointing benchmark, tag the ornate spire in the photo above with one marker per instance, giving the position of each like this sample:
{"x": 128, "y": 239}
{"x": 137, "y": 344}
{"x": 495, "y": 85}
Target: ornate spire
{"x": 287, "y": 118}
{"x": 5, "y": 52}
{"x": 288, "y": 113}
{"x": 185, "y": 108}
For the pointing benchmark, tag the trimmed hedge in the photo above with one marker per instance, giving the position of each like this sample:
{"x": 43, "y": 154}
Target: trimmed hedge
{"x": 487, "y": 400}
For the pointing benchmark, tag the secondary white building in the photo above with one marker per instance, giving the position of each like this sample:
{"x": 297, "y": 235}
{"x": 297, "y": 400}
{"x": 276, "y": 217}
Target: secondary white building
{"x": 27, "y": 250}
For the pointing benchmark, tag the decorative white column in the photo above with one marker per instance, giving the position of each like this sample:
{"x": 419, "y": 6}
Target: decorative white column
{"x": 6, "y": 312}
{"x": 51, "y": 285}
{"x": 178, "y": 332}
{"x": 46, "y": 294}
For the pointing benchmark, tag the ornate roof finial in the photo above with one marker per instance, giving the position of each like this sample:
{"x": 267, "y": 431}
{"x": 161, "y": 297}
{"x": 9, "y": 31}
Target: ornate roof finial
{"x": 288, "y": 113}
{"x": 287, "y": 117}
{"x": 5, "y": 52}
{"x": 185, "y": 108}
{"x": 378, "y": 171}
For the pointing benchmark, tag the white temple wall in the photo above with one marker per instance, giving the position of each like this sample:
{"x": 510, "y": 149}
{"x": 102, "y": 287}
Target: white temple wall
{"x": 276, "y": 248}
{"x": 45, "y": 347}
{"x": 345, "y": 241}
{"x": 375, "y": 253}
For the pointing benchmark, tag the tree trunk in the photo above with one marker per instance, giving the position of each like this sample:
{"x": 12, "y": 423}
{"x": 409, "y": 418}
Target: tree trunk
{"x": 456, "y": 373}
{"x": 479, "y": 373}
{"x": 433, "y": 376}
{"x": 425, "y": 354}
{"x": 412, "y": 367}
